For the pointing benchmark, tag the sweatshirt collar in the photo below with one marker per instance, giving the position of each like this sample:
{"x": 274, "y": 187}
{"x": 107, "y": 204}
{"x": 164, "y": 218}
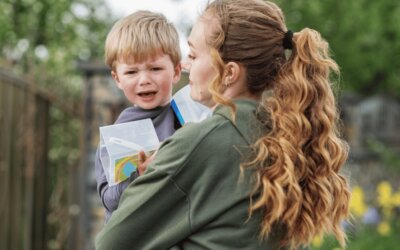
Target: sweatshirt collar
{"x": 247, "y": 120}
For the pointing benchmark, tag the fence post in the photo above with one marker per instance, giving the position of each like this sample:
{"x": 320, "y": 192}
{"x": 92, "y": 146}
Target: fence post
{"x": 29, "y": 169}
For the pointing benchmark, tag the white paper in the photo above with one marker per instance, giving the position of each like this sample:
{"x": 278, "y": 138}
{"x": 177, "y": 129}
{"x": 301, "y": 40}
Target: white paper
{"x": 120, "y": 144}
{"x": 186, "y": 109}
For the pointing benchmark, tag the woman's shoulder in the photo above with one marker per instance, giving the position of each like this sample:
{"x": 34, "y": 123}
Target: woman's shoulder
{"x": 221, "y": 127}
{"x": 206, "y": 125}
{"x": 194, "y": 133}
{"x": 175, "y": 151}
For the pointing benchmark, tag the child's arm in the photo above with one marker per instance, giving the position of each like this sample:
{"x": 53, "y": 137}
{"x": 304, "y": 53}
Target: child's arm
{"x": 110, "y": 195}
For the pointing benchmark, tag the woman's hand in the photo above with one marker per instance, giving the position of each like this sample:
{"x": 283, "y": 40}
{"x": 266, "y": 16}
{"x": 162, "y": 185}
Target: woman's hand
{"x": 144, "y": 161}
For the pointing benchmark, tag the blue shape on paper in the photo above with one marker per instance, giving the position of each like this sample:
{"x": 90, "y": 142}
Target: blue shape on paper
{"x": 128, "y": 169}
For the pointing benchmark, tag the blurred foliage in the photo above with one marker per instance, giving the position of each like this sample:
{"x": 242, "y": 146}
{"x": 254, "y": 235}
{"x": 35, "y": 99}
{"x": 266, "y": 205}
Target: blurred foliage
{"x": 364, "y": 37}
{"x": 386, "y": 154}
{"x": 43, "y": 39}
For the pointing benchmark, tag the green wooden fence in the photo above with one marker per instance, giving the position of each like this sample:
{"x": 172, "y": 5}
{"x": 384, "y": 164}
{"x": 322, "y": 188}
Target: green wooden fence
{"x": 35, "y": 198}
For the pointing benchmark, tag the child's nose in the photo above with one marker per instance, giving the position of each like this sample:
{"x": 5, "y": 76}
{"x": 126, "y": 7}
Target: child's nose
{"x": 144, "y": 78}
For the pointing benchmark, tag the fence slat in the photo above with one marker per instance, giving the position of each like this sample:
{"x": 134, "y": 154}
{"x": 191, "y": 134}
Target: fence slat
{"x": 17, "y": 177}
{"x": 29, "y": 157}
{"x": 5, "y": 171}
{"x": 40, "y": 172}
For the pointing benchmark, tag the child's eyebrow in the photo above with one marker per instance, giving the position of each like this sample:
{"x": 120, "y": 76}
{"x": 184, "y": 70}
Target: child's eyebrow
{"x": 130, "y": 67}
{"x": 154, "y": 63}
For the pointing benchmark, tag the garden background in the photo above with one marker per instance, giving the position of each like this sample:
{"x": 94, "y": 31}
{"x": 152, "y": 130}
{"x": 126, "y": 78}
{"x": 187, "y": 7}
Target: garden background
{"x": 55, "y": 92}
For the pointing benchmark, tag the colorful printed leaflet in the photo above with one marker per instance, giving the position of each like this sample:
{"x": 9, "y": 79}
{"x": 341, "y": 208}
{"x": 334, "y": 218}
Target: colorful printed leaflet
{"x": 125, "y": 166}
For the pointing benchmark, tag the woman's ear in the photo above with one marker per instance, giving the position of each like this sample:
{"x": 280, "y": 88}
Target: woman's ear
{"x": 233, "y": 72}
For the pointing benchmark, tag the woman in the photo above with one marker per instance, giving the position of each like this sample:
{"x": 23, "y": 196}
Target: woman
{"x": 263, "y": 171}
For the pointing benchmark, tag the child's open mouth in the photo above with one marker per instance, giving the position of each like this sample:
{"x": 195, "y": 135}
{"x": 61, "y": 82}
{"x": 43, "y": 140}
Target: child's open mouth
{"x": 147, "y": 94}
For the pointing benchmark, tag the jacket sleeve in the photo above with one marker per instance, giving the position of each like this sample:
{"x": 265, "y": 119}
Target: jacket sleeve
{"x": 154, "y": 211}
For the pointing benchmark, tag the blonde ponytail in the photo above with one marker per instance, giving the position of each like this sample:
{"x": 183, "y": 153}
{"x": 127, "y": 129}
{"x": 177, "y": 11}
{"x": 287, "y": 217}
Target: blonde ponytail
{"x": 301, "y": 186}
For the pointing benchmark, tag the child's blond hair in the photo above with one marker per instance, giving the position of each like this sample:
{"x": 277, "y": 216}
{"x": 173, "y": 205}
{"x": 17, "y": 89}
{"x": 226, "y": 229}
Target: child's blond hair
{"x": 139, "y": 36}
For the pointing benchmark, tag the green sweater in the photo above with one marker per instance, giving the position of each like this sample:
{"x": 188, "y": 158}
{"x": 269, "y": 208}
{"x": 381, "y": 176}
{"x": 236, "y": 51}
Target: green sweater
{"x": 191, "y": 196}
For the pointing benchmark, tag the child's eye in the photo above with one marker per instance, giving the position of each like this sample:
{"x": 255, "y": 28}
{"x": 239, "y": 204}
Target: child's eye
{"x": 191, "y": 57}
{"x": 131, "y": 72}
{"x": 156, "y": 69}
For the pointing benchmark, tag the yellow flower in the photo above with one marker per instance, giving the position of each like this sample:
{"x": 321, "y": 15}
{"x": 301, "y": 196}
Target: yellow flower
{"x": 396, "y": 199}
{"x": 357, "y": 205}
{"x": 387, "y": 212}
{"x": 317, "y": 241}
{"x": 384, "y": 191}
{"x": 384, "y": 228}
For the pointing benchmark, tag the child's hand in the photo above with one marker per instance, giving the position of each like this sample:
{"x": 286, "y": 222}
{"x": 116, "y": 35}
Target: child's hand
{"x": 143, "y": 162}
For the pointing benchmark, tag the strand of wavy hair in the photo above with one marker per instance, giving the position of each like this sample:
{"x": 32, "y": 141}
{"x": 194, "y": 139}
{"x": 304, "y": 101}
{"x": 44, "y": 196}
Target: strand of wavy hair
{"x": 216, "y": 86}
{"x": 299, "y": 161}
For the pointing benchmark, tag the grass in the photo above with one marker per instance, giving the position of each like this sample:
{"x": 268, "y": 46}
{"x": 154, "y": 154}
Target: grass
{"x": 366, "y": 237}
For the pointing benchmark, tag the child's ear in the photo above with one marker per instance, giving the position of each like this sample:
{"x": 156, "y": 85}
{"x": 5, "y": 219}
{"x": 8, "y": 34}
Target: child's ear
{"x": 116, "y": 79}
{"x": 177, "y": 73}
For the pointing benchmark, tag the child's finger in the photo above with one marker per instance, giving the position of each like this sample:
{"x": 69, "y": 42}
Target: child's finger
{"x": 142, "y": 165}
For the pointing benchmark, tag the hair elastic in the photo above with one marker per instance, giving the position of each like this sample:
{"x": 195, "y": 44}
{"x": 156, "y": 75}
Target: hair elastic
{"x": 287, "y": 40}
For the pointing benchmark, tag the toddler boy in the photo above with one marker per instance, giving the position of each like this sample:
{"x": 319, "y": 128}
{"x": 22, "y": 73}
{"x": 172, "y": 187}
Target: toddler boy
{"x": 143, "y": 53}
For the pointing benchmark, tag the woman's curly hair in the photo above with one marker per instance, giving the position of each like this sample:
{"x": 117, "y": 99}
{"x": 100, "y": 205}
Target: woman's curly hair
{"x": 298, "y": 182}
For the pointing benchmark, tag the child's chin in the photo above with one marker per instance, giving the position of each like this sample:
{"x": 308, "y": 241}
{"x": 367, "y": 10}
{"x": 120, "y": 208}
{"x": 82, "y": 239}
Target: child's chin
{"x": 148, "y": 105}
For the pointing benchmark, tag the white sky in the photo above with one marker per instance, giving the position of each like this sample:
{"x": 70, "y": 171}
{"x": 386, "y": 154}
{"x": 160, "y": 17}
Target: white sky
{"x": 182, "y": 13}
